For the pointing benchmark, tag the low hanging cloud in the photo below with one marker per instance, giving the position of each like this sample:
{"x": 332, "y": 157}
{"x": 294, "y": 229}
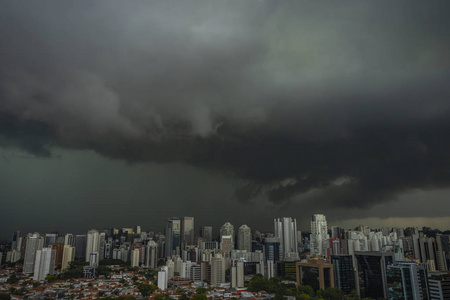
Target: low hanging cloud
{"x": 346, "y": 100}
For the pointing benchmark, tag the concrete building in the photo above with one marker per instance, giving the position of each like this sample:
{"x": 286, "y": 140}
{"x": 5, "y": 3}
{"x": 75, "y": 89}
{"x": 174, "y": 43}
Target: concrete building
{"x": 172, "y": 233}
{"x": 45, "y": 263}
{"x": 217, "y": 270}
{"x": 151, "y": 254}
{"x": 227, "y": 229}
{"x": 68, "y": 256}
{"x": 319, "y": 235}
{"x": 206, "y": 233}
{"x": 135, "y": 254}
{"x": 286, "y": 230}
{"x": 34, "y": 242}
{"x": 92, "y": 243}
{"x": 245, "y": 238}
{"x": 187, "y": 230}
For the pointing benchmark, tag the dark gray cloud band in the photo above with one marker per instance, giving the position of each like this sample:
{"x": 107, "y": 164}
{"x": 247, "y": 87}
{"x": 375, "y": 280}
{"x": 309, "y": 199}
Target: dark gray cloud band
{"x": 350, "y": 99}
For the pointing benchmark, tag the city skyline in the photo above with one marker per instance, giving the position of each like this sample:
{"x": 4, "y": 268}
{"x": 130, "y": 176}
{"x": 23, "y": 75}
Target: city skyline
{"x": 115, "y": 115}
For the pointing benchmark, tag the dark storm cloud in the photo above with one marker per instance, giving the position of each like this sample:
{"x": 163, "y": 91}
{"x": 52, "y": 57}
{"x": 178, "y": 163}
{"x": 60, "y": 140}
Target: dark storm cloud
{"x": 348, "y": 99}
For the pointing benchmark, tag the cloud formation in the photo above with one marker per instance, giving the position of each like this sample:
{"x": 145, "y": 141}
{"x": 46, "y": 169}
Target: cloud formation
{"x": 348, "y": 101}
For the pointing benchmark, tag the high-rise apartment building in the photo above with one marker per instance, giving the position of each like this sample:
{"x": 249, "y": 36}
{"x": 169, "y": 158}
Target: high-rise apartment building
{"x": 319, "y": 235}
{"x": 68, "y": 256}
{"x": 286, "y": 230}
{"x": 45, "y": 263}
{"x": 217, "y": 269}
{"x": 245, "y": 238}
{"x": 151, "y": 254}
{"x": 92, "y": 243}
{"x": 50, "y": 238}
{"x": 34, "y": 242}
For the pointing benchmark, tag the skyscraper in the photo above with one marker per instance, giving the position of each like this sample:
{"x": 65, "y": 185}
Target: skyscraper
{"x": 407, "y": 280}
{"x": 206, "y": 233}
{"x": 228, "y": 230}
{"x": 80, "y": 245}
{"x": 372, "y": 272}
{"x": 92, "y": 243}
{"x": 217, "y": 269}
{"x": 245, "y": 238}
{"x": 151, "y": 254}
{"x": 172, "y": 233}
{"x": 187, "y": 230}
{"x": 34, "y": 242}
{"x": 319, "y": 235}
{"x": 286, "y": 231}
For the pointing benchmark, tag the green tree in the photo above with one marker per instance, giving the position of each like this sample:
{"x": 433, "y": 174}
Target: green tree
{"x": 201, "y": 290}
{"x": 12, "y": 279}
{"x": 5, "y": 296}
{"x": 145, "y": 289}
{"x": 200, "y": 297}
{"x": 51, "y": 278}
{"x": 333, "y": 293}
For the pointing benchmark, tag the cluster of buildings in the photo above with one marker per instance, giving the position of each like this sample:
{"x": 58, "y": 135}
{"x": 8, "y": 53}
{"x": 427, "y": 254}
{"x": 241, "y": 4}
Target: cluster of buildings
{"x": 392, "y": 263}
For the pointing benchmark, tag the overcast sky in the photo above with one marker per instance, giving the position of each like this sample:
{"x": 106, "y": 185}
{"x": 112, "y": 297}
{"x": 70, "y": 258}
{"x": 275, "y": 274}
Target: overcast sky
{"x": 120, "y": 113}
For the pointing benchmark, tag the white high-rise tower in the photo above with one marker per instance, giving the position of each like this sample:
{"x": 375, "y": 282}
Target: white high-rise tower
{"x": 286, "y": 231}
{"x": 319, "y": 235}
{"x": 92, "y": 243}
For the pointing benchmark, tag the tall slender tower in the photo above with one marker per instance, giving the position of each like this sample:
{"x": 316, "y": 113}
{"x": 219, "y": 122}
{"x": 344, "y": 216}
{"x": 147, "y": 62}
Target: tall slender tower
{"x": 319, "y": 235}
{"x": 172, "y": 233}
{"x": 187, "y": 230}
{"x": 245, "y": 238}
{"x": 286, "y": 231}
{"x": 92, "y": 243}
{"x": 34, "y": 242}
{"x": 227, "y": 229}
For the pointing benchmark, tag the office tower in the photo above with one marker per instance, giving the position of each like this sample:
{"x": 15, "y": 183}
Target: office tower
{"x": 15, "y": 245}
{"x": 68, "y": 256}
{"x": 226, "y": 245}
{"x": 187, "y": 230}
{"x": 206, "y": 233}
{"x": 172, "y": 233}
{"x": 135, "y": 254}
{"x": 372, "y": 273}
{"x": 315, "y": 273}
{"x": 286, "y": 231}
{"x": 33, "y": 242}
{"x": 272, "y": 249}
{"x": 137, "y": 230}
{"x": 45, "y": 263}
{"x": 196, "y": 273}
{"x": 50, "y": 238}
{"x": 80, "y": 245}
{"x": 344, "y": 273}
{"x": 245, "y": 238}
{"x": 407, "y": 280}
{"x": 151, "y": 254}
{"x": 217, "y": 269}
{"x": 69, "y": 239}
{"x": 319, "y": 235}
{"x": 59, "y": 248}
{"x": 227, "y": 229}
{"x": 92, "y": 243}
